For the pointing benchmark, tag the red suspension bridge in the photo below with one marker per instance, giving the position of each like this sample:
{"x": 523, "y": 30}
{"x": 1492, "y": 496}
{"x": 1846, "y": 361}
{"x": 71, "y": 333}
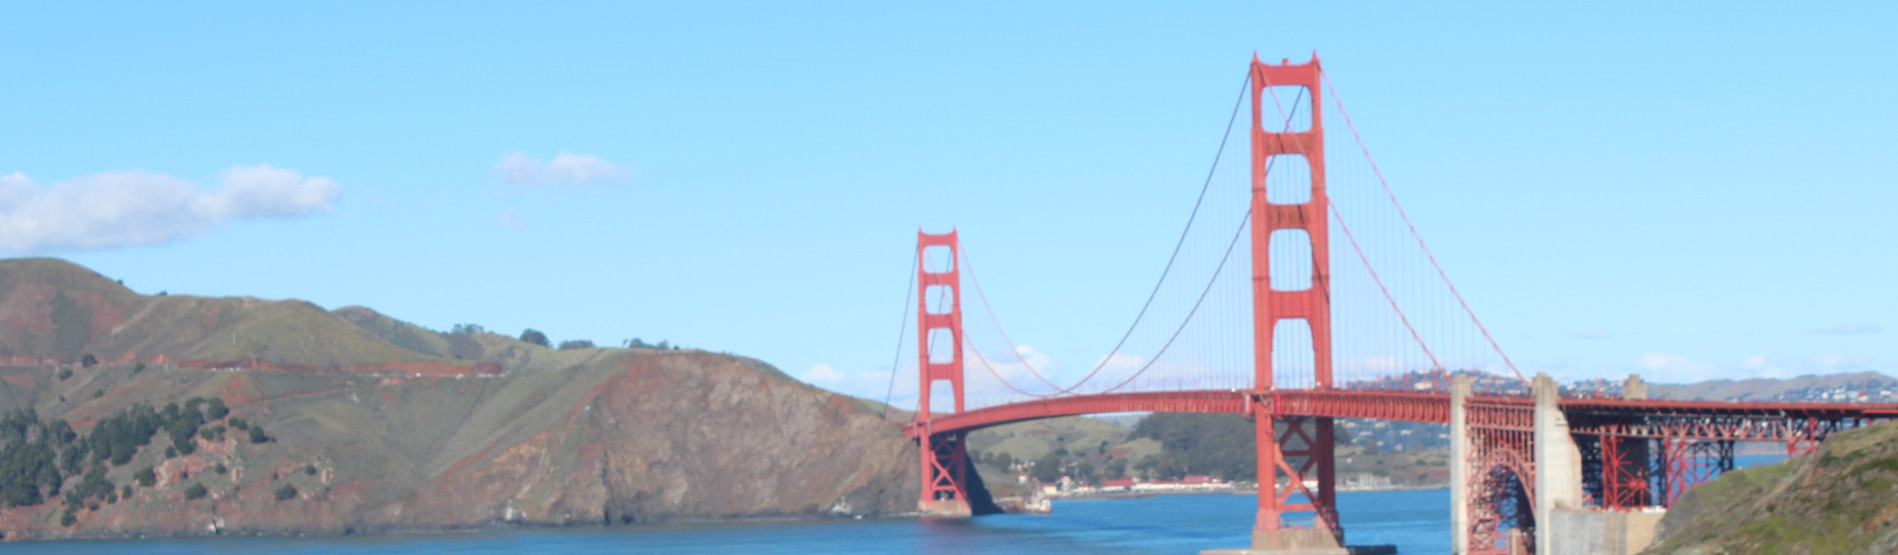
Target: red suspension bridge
{"x": 1214, "y": 338}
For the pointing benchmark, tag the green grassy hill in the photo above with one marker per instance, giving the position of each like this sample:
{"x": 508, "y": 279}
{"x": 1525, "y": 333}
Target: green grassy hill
{"x": 1073, "y": 434}
{"x": 1841, "y": 499}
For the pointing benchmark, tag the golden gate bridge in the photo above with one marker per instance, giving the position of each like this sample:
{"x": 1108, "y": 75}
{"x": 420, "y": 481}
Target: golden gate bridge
{"x": 1250, "y": 316}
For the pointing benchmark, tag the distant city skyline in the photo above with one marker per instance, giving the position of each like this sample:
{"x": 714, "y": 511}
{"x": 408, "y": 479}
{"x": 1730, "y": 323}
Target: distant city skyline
{"x": 1674, "y": 190}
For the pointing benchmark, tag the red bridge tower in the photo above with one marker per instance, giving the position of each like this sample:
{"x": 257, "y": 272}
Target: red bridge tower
{"x": 1300, "y": 456}
{"x": 944, "y": 457}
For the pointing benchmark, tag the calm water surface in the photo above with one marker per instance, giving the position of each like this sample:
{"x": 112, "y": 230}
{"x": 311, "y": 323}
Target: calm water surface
{"x": 1417, "y": 522}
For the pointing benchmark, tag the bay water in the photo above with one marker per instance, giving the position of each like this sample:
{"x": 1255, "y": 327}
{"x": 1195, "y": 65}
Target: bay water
{"x": 1416, "y": 521}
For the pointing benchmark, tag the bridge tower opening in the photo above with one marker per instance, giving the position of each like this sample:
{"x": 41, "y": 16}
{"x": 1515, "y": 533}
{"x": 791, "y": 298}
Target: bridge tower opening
{"x": 1296, "y": 454}
{"x": 944, "y": 457}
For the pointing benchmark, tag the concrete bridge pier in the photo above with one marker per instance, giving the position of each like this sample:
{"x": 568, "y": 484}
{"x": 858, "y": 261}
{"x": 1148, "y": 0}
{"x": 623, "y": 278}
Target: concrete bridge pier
{"x": 1558, "y": 462}
{"x": 1459, "y": 465}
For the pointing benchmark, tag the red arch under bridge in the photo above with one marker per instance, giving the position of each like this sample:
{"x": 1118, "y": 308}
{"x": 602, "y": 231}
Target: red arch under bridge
{"x": 1213, "y": 338}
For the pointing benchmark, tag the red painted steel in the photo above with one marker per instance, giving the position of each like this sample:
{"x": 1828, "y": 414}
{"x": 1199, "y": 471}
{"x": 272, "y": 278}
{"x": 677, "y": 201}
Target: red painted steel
{"x": 1309, "y": 441}
{"x": 1222, "y": 401}
{"x": 1624, "y": 473}
{"x": 944, "y": 461}
{"x": 1497, "y": 413}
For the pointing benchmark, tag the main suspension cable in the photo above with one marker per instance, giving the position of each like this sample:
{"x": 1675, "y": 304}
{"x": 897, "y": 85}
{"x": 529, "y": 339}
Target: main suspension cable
{"x": 1244, "y": 222}
{"x": 1177, "y": 245}
{"x": 1413, "y": 228}
{"x": 908, "y": 291}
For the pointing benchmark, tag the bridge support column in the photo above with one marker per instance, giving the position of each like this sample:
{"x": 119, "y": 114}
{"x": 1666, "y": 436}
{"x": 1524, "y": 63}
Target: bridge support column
{"x": 1633, "y": 389}
{"x": 1558, "y": 462}
{"x": 1459, "y": 466}
{"x": 945, "y": 476}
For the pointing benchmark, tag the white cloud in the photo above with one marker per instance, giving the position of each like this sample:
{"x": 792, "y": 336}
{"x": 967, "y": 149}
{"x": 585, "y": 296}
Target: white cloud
{"x": 142, "y": 208}
{"x": 1669, "y": 368}
{"x": 520, "y": 170}
{"x": 868, "y": 384}
{"x": 820, "y": 373}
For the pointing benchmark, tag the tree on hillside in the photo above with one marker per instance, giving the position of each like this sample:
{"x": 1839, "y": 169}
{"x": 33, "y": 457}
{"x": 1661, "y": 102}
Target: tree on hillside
{"x": 576, "y": 344}
{"x": 1047, "y": 470}
{"x": 1085, "y": 473}
{"x": 534, "y": 336}
{"x": 467, "y": 329}
{"x": 1002, "y": 461}
{"x": 1217, "y": 444}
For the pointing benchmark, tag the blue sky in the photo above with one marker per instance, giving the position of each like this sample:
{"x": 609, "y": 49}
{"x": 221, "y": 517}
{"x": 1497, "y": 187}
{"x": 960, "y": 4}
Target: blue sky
{"x": 1684, "y": 190}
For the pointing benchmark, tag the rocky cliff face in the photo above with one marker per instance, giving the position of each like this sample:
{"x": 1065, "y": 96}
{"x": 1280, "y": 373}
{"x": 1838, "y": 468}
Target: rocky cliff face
{"x": 632, "y": 438}
{"x": 368, "y": 444}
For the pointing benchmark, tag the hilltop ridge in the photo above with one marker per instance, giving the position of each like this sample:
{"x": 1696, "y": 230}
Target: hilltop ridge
{"x": 53, "y": 311}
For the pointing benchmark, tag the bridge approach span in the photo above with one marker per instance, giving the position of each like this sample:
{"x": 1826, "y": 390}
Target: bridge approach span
{"x": 1591, "y": 416}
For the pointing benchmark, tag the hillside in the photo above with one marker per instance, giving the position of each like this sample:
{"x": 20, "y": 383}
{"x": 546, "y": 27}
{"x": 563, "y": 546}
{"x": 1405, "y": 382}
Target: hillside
{"x": 1171, "y": 445}
{"x": 375, "y": 424}
{"x": 1836, "y": 388}
{"x": 1034, "y": 439}
{"x": 1840, "y": 499}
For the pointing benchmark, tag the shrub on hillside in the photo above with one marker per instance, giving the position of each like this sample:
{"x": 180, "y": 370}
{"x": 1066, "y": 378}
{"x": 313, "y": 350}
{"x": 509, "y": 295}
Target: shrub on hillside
{"x": 534, "y": 336}
{"x": 257, "y": 434}
{"x": 196, "y": 491}
{"x": 576, "y": 344}
{"x": 146, "y": 476}
{"x": 285, "y": 491}
{"x": 64, "y": 373}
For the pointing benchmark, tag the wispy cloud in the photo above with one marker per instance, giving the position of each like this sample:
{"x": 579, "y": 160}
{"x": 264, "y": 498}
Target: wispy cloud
{"x": 1671, "y": 368}
{"x": 1850, "y": 328}
{"x": 143, "y": 208}
{"x": 1595, "y": 335}
{"x": 868, "y": 384}
{"x": 577, "y": 170}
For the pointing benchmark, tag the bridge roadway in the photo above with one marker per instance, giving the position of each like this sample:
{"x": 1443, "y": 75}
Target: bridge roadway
{"x": 1704, "y": 417}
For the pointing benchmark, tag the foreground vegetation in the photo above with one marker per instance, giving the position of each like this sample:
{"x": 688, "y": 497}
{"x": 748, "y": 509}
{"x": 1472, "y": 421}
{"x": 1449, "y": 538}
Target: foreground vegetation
{"x": 42, "y": 460}
{"x": 1840, "y": 499}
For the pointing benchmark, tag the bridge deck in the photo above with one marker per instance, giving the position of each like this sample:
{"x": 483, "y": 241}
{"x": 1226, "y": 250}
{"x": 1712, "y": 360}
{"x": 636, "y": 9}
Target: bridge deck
{"x": 1381, "y": 405}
